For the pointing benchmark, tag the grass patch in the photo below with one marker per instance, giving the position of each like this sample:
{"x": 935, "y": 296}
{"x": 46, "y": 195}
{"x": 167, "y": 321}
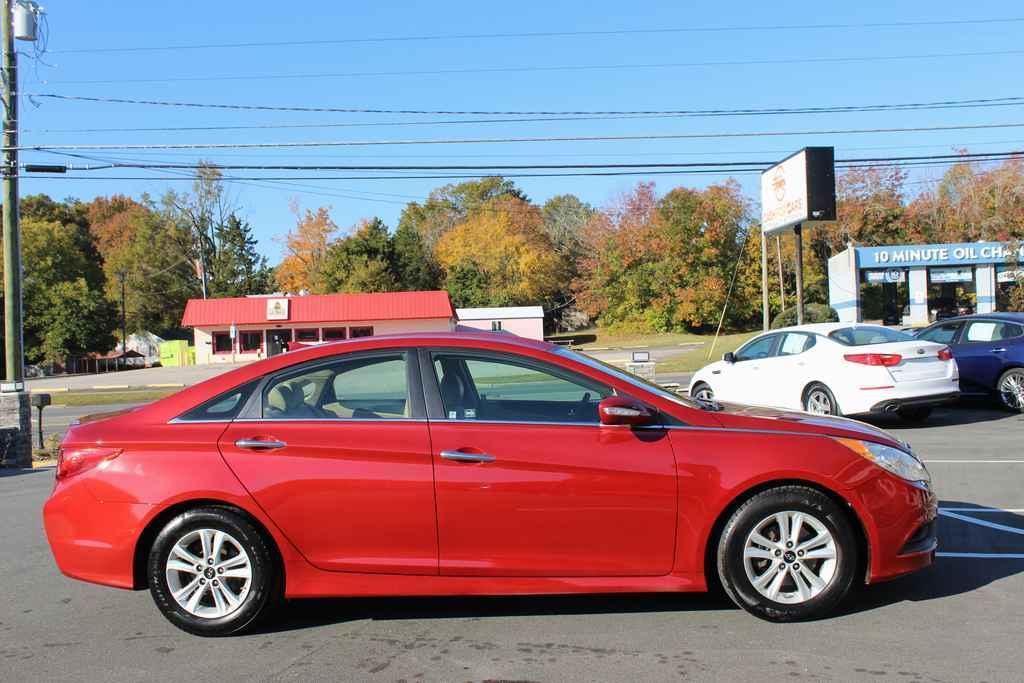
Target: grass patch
{"x": 597, "y": 337}
{"x": 694, "y": 359}
{"x": 103, "y": 398}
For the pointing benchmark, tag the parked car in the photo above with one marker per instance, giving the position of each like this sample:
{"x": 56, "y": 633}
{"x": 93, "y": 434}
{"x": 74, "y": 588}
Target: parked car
{"x": 989, "y": 349}
{"x": 474, "y": 463}
{"x": 834, "y": 369}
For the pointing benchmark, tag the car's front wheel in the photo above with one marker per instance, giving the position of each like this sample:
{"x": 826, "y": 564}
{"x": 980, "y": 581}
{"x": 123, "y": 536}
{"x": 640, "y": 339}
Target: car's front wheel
{"x": 702, "y": 392}
{"x": 1011, "y": 389}
{"x": 211, "y": 572}
{"x": 788, "y": 554}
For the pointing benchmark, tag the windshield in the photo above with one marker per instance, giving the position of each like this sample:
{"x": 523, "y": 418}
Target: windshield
{"x": 620, "y": 374}
{"x": 865, "y": 335}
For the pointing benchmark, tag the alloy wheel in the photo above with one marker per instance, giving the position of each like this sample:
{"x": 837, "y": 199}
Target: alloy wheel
{"x": 818, "y": 401}
{"x": 1011, "y": 390}
{"x": 790, "y": 557}
{"x": 704, "y": 394}
{"x": 209, "y": 573}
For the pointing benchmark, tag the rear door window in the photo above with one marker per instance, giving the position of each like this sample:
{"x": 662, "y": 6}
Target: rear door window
{"x": 368, "y": 388}
{"x": 795, "y": 343}
{"x": 991, "y": 331}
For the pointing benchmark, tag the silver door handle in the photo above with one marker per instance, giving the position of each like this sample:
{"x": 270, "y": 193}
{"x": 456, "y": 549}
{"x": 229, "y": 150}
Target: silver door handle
{"x": 998, "y": 350}
{"x": 459, "y": 456}
{"x": 260, "y": 444}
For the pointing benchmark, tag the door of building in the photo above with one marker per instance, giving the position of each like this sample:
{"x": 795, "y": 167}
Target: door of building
{"x": 277, "y": 341}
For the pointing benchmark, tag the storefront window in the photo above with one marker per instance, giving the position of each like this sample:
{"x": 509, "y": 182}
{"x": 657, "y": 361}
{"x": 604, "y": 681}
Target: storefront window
{"x": 360, "y": 332}
{"x": 222, "y": 342}
{"x": 951, "y": 292}
{"x": 884, "y": 295}
{"x": 334, "y": 333}
{"x": 307, "y": 335}
{"x": 251, "y": 341}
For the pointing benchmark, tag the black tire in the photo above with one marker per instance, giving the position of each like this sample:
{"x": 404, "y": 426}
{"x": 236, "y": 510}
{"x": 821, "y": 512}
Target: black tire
{"x": 702, "y": 386}
{"x": 813, "y": 389}
{"x": 264, "y": 584}
{"x": 1006, "y": 400}
{"x": 914, "y": 415}
{"x": 732, "y": 569}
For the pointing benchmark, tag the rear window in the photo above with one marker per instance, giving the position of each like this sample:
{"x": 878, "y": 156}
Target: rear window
{"x": 865, "y": 335}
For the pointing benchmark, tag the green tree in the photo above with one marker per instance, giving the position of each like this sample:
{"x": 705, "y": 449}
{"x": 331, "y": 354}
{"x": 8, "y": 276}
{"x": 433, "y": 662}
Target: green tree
{"x": 360, "y": 262}
{"x": 468, "y": 285}
{"x": 414, "y": 266}
{"x": 564, "y": 218}
{"x": 237, "y": 268}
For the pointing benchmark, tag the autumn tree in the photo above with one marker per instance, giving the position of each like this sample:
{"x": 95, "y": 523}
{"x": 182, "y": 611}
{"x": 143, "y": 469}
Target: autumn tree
{"x": 448, "y": 206}
{"x": 502, "y": 243}
{"x": 305, "y": 248}
{"x": 360, "y": 262}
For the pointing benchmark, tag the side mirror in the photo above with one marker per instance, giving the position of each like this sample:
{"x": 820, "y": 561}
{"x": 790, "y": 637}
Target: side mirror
{"x": 618, "y": 410}
{"x": 729, "y": 357}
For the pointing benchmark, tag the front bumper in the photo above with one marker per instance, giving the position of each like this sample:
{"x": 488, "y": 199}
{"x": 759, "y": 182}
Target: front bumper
{"x": 900, "y": 521}
{"x": 891, "y": 405}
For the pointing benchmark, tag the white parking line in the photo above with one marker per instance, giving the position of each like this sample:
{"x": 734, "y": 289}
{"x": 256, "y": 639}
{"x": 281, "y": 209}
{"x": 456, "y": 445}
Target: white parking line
{"x": 975, "y": 462}
{"x": 982, "y": 522}
{"x": 984, "y": 556}
{"x": 982, "y": 511}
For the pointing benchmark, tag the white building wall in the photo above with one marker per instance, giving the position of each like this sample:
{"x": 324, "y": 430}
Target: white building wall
{"x": 530, "y": 328}
{"x": 843, "y": 286}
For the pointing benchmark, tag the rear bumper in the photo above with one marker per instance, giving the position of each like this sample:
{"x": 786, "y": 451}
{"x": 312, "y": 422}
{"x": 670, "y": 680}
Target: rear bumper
{"x": 92, "y": 540}
{"x": 890, "y": 405}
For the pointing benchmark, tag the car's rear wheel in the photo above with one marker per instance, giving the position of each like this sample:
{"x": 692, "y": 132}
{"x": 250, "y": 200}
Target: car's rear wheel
{"x": 211, "y": 572}
{"x": 820, "y": 400}
{"x": 1011, "y": 389}
{"x": 788, "y": 554}
{"x": 914, "y": 415}
{"x": 702, "y": 392}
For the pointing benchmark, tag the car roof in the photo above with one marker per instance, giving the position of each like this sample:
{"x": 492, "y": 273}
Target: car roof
{"x": 823, "y": 328}
{"x": 996, "y": 315}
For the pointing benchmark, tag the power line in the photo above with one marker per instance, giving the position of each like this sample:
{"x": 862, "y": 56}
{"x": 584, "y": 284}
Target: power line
{"x": 540, "y": 34}
{"x": 757, "y": 164}
{"x": 526, "y": 117}
{"x": 535, "y": 69}
{"x": 470, "y": 141}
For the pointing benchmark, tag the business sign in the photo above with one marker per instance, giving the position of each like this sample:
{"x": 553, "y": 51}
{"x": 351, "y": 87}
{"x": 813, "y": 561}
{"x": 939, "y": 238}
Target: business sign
{"x": 1007, "y": 274}
{"x": 888, "y": 275}
{"x": 955, "y": 274}
{"x": 968, "y": 253}
{"x": 277, "y": 309}
{"x": 799, "y": 189}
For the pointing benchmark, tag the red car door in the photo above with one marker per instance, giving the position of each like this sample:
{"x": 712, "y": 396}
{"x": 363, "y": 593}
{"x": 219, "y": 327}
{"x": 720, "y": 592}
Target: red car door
{"x": 337, "y": 453}
{"x": 529, "y": 484}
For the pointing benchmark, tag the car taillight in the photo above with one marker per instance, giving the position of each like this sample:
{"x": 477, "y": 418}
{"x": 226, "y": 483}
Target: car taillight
{"x": 886, "y": 359}
{"x": 71, "y": 461}
{"x": 945, "y": 353}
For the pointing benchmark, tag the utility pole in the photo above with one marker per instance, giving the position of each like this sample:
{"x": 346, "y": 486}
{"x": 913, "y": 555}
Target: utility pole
{"x": 15, "y": 417}
{"x": 798, "y": 237}
{"x": 124, "y": 318}
{"x": 782, "y": 282}
{"x": 765, "y": 313}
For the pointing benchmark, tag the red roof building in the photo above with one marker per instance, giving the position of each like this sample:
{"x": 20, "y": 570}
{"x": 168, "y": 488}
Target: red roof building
{"x": 249, "y": 328}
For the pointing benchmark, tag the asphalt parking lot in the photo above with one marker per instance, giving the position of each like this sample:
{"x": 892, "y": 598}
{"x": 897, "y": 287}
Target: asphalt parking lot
{"x": 959, "y": 620}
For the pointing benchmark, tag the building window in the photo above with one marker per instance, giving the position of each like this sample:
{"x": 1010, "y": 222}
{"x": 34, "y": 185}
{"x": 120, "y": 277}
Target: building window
{"x": 354, "y": 332}
{"x": 495, "y": 326}
{"x": 307, "y": 335}
{"x": 222, "y": 342}
{"x": 334, "y": 333}
{"x": 251, "y": 341}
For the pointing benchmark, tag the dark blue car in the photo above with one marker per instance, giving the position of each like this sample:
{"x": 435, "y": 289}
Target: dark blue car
{"x": 989, "y": 349}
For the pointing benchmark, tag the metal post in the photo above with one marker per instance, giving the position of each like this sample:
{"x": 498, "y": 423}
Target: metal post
{"x": 39, "y": 423}
{"x": 124, "y": 318}
{"x": 782, "y": 282}
{"x": 13, "y": 358}
{"x": 765, "y": 314}
{"x": 798, "y": 236}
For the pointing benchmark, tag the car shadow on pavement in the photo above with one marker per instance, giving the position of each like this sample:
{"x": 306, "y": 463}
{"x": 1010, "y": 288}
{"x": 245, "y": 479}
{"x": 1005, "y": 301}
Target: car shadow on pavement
{"x": 300, "y": 614}
{"x": 974, "y": 530}
{"x": 964, "y": 412}
{"x": 16, "y": 471}
{"x": 949, "y": 576}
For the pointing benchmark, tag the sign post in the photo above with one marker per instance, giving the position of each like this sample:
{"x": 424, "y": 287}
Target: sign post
{"x": 798, "y": 191}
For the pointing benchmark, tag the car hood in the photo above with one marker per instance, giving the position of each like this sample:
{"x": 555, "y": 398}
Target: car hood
{"x": 738, "y": 416}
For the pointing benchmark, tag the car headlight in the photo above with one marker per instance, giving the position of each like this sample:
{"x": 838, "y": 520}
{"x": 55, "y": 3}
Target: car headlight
{"x": 900, "y": 463}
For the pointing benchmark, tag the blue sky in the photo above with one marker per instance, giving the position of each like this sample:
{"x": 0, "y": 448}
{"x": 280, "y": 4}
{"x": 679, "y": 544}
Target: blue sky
{"x": 172, "y": 74}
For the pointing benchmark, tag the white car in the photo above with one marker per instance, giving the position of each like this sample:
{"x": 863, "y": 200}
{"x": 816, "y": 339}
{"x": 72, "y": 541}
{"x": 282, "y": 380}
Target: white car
{"x": 834, "y": 369}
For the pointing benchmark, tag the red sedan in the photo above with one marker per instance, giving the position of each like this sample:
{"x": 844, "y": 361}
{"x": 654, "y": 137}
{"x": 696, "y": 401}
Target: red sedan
{"x": 459, "y": 464}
